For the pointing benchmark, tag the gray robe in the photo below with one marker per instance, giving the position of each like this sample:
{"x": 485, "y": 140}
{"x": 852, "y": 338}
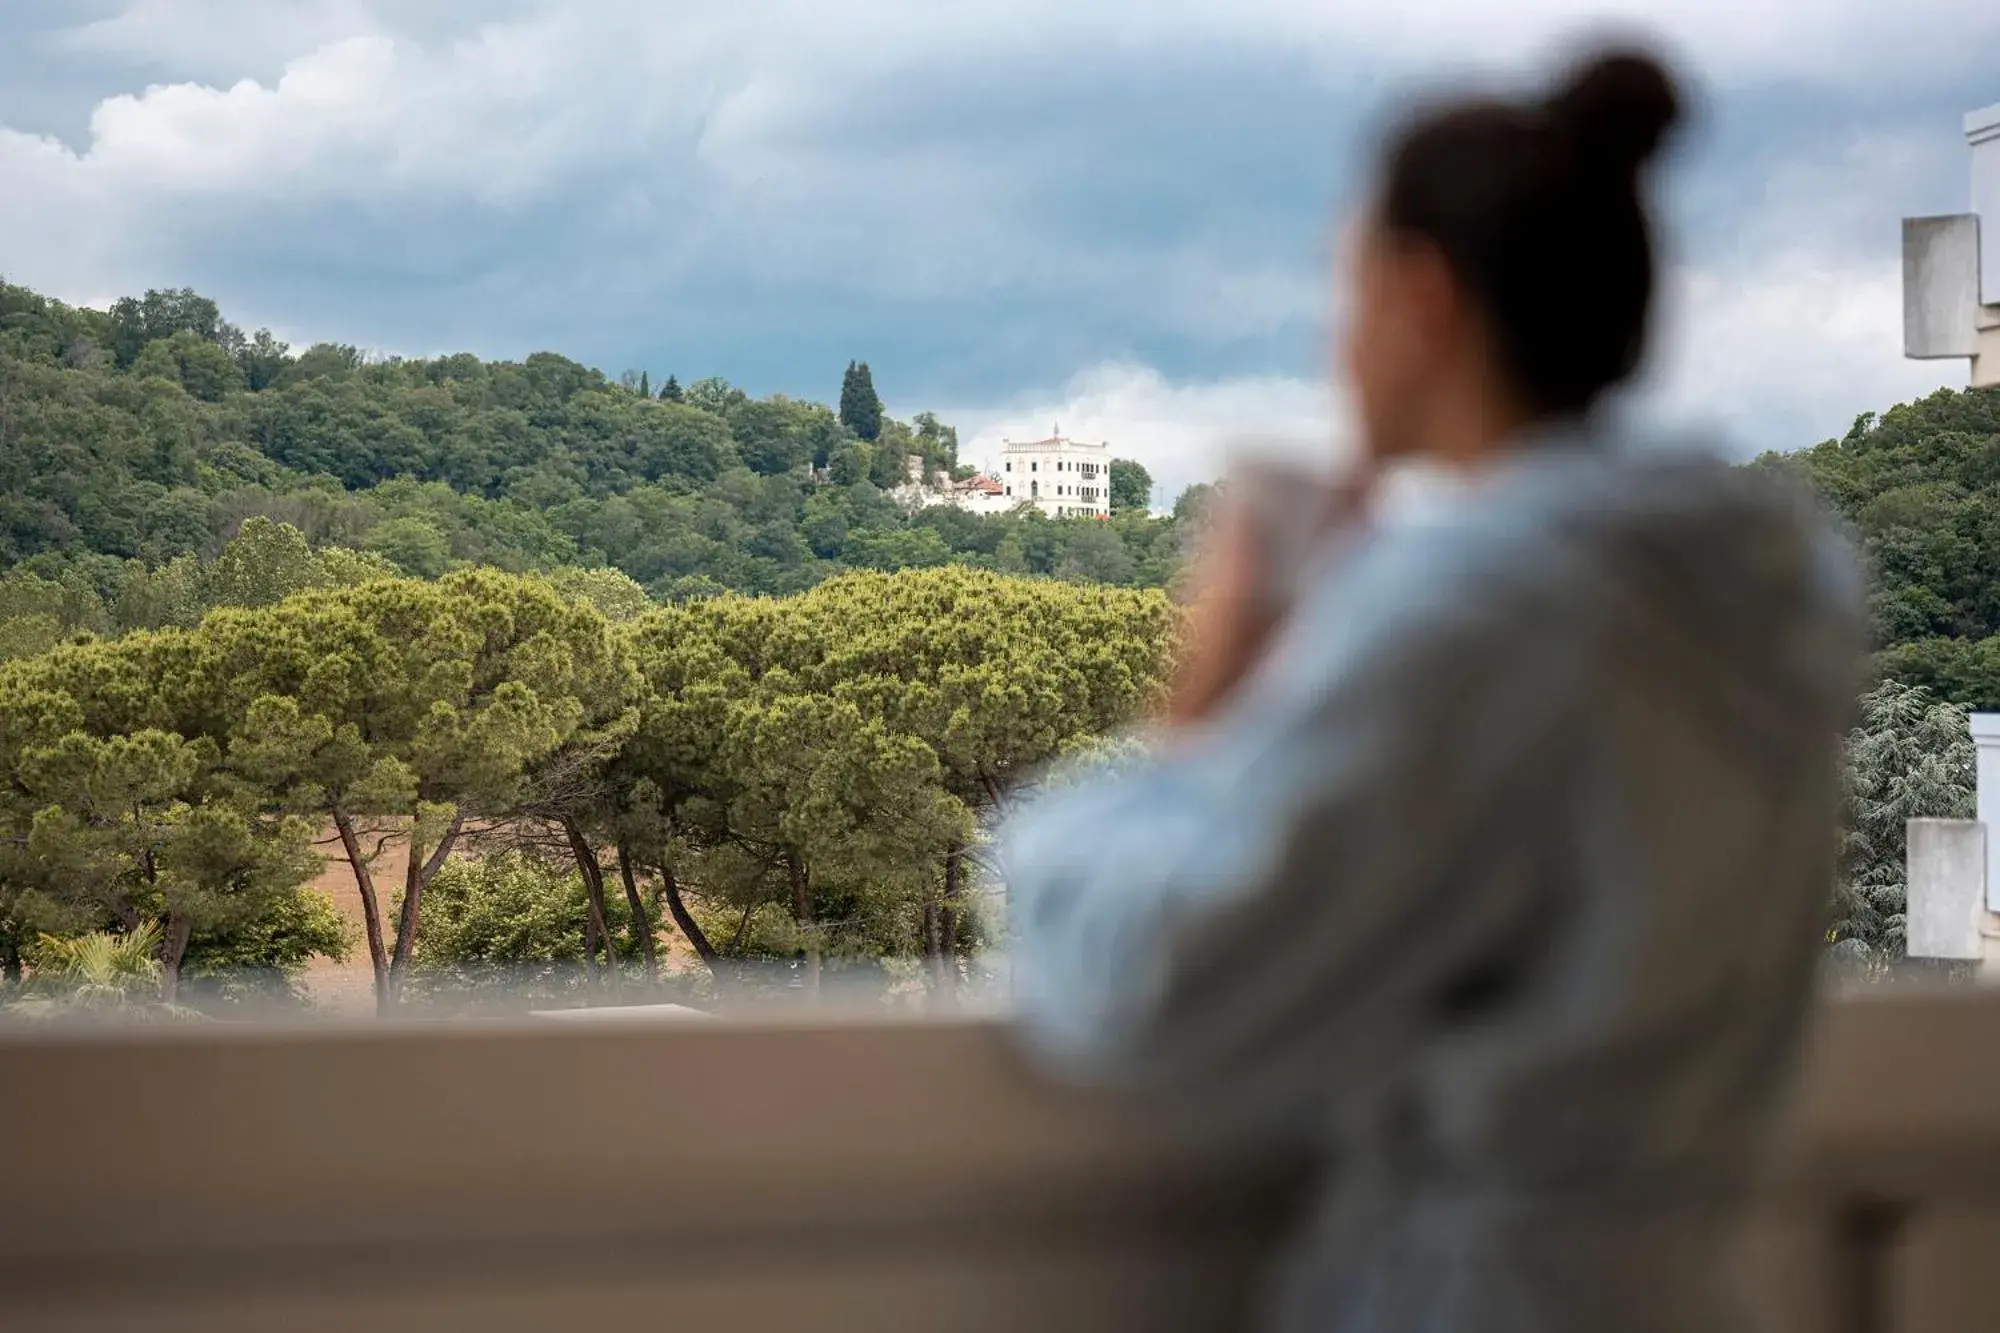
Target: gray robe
{"x": 1500, "y": 888}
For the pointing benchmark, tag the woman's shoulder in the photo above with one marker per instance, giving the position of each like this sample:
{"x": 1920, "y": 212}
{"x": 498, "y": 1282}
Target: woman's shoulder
{"x": 1545, "y": 538}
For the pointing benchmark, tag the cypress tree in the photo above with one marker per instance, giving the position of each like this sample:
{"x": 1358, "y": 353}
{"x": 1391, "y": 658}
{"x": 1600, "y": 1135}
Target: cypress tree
{"x": 860, "y": 408}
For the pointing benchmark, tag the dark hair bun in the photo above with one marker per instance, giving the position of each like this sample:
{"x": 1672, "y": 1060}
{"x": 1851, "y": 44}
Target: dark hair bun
{"x": 1619, "y": 106}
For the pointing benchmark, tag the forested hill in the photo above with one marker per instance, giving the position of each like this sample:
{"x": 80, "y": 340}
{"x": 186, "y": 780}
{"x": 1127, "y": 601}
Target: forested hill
{"x": 134, "y": 443}
{"x": 1921, "y": 485}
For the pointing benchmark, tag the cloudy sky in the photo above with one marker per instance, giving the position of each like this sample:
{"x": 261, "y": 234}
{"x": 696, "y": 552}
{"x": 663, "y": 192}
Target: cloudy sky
{"x": 1116, "y": 215}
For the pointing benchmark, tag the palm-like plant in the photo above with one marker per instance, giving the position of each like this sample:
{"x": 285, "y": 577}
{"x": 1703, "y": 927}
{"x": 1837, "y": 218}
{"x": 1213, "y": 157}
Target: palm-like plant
{"x": 103, "y": 970}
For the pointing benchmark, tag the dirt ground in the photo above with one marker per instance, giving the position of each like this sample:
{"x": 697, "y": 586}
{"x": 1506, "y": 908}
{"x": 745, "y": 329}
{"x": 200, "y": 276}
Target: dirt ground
{"x": 348, "y": 988}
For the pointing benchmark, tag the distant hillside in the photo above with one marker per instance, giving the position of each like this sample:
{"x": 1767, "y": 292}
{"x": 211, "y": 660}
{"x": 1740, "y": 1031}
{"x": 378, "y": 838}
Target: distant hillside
{"x": 146, "y": 434}
{"x": 135, "y": 442}
{"x": 1921, "y": 485}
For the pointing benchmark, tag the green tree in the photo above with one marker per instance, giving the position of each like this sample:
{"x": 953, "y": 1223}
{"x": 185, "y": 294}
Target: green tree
{"x": 1131, "y": 486}
{"x": 342, "y": 568}
{"x": 134, "y": 485}
{"x": 1191, "y": 505}
{"x": 508, "y": 920}
{"x": 850, "y": 463}
{"x": 714, "y": 394}
{"x": 399, "y": 710}
{"x": 670, "y": 392}
{"x": 1097, "y": 554}
{"x": 614, "y": 595}
{"x": 137, "y": 322}
{"x": 264, "y": 562}
{"x": 677, "y": 440}
{"x": 118, "y": 824}
{"x": 332, "y": 361}
{"x": 36, "y": 613}
{"x": 937, "y": 441}
{"x": 860, "y": 408}
{"x": 200, "y": 367}
{"x": 1921, "y": 485}
{"x": 412, "y": 545}
{"x": 263, "y": 361}
{"x": 902, "y": 548}
{"x": 645, "y": 385}
{"x": 262, "y": 957}
{"x": 175, "y": 594}
{"x": 771, "y": 435}
{"x": 1910, "y": 757}
{"x": 995, "y": 677}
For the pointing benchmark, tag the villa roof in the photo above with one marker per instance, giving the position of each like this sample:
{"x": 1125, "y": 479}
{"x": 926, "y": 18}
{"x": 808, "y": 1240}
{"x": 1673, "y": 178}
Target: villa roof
{"x": 1056, "y": 441}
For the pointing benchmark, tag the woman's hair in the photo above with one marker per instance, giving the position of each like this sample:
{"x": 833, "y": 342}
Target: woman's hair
{"x": 1535, "y": 206}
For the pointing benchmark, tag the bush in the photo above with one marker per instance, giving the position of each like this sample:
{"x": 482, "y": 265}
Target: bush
{"x": 512, "y": 921}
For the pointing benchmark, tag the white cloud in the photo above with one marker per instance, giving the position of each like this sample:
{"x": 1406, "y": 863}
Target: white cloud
{"x": 529, "y": 95}
{"x": 216, "y": 39}
{"x": 1778, "y": 357}
{"x": 194, "y": 139}
{"x": 722, "y": 113}
{"x": 1789, "y": 353}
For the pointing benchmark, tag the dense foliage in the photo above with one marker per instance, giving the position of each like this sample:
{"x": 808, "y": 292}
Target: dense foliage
{"x": 804, "y": 778}
{"x": 1909, "y": 757}
{"x": 1921, "y": 486}
{"x": 616, "y": 668}
{"x": 513, "y": 923}
{"x": 136, "y": 441}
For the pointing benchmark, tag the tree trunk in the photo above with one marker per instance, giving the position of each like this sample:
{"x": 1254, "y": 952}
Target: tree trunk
{"x": 593, "y": 888}
{"x": 128, "y": 915}
{"x": 677, "y": 908}
{"x": 934, "y": 946}
{"x": 173, "y": 949}
{"x": 416, "y": 878}
{"x": 725, "y": 976}
{"x": 371, "y": 907}
{"x": 642, "y": 922}
{"x": 802, "y": 913}
{"x": 590, "y": 950}
{"x": 996, "y": 867}
{"x": 954, "y": 863}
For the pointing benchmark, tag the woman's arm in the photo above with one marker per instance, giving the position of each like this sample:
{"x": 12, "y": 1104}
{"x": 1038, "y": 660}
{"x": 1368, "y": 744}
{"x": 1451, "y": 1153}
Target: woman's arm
{"x": 1290, "y": 889}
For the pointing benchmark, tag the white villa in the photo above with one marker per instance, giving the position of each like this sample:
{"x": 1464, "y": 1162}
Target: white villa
{"x": 1063, "y": 478}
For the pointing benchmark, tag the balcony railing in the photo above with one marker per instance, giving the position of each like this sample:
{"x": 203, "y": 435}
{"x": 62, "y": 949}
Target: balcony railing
{"x": 817, "y": 1178}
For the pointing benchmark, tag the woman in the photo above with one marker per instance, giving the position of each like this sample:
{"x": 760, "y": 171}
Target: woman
{"x": 1493, "y": 870}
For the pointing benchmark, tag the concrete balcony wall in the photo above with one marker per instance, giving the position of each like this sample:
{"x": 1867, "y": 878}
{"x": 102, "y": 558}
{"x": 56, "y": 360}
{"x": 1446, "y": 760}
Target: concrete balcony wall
{"x": 818, "y": 1179}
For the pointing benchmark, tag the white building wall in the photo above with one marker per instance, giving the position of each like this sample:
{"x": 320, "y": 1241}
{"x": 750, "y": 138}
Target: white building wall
{"x": 978, "y": 502}
{"x": 1951, "y": 267}
{"x": 1982, "y": 132}
{"x": 1941, "y": 287}
{"x": 1062, "y": 478}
